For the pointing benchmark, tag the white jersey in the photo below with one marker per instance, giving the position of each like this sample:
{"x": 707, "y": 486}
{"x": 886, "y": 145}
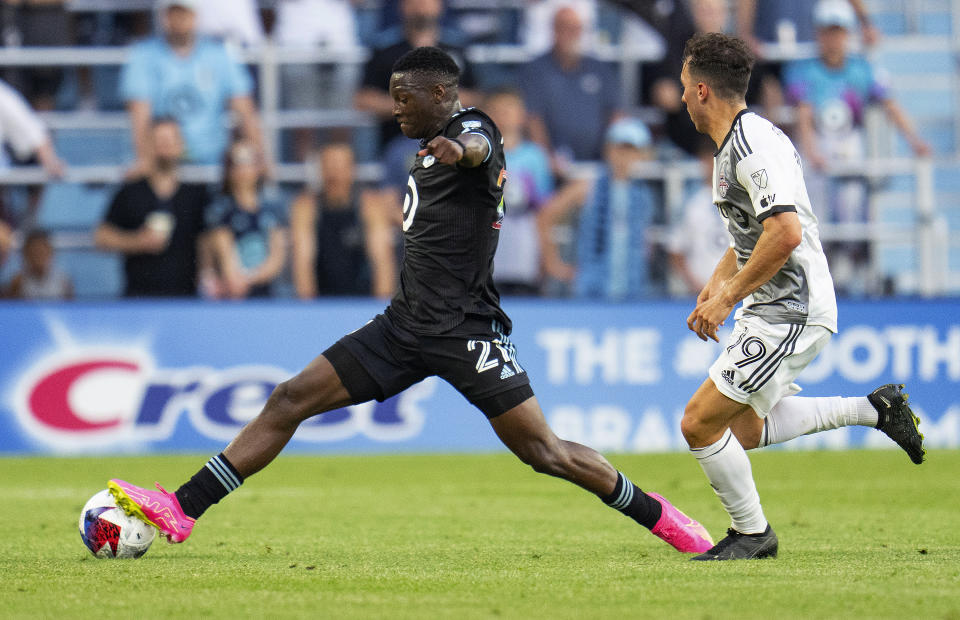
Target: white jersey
{"x": 757, "y": 173}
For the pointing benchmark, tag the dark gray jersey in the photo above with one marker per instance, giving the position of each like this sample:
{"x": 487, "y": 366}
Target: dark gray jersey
{"x": 757, "y": 173}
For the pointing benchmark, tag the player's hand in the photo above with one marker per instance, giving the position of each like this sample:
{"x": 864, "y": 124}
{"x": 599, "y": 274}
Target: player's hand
{"x": 708, "y": 316}
{"x": 445, "y": 150}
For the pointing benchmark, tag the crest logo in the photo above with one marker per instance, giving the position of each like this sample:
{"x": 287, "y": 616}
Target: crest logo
{"x": 760, "y": 178}
{"x": 723, "y": 186}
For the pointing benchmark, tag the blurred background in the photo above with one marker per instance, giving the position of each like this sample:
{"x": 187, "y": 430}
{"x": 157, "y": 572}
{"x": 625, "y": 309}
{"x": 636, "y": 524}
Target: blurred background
{"x": 83, "y": 80}
{"x": 222, "y": 150}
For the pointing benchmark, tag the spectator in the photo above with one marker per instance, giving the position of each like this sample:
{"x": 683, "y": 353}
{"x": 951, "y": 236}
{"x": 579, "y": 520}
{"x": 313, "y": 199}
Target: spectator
{"x": 326, "y": 85}
{"x": 676, "y": 22}
{"x": 24, "y": 132}
{"x": 39, "y": 279}
{"x": 191, "y": 79}
{"x": 235, "y": 22}
{"x": 343, "y": 237}
{"x": 156, "y": 222}
{"x": 762, "y": 22}
{"x": 616, "y": 210}
{"x": 529, "y": 184}
{"x": 537, "y": 33}
{"x": 699, "y": 237}
{"x": 831, "y": 93}
{"x": 775, "y": 22}
{"x": 420, "y": 27}
{"x": 247, "y": 234}
{"x": 38, "y": 23}
{"x": 571, "y": 97}
{"x": 6, "y": 240}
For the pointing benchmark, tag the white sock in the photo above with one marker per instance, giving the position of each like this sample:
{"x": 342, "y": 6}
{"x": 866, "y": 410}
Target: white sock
{"x": 728, "y": 469}
{"x": 795, "y": 415}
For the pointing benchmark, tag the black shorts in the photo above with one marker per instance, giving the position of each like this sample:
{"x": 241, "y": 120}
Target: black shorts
{"x": 382, "y": 359}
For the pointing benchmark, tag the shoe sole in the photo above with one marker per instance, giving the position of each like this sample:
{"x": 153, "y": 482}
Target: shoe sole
{"x": 128, "y": 505}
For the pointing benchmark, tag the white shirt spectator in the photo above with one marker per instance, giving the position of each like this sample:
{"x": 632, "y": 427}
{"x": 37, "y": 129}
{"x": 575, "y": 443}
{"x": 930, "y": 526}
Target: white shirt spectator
{"x": 700, "y": 236}
{"x": 236, "y": 22}
{"x": 20, "y": 127}
{"x": 328, "y": 24}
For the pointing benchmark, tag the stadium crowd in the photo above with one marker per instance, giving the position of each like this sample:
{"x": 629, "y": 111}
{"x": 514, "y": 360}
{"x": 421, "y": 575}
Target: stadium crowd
{"x": 575, "y": 125}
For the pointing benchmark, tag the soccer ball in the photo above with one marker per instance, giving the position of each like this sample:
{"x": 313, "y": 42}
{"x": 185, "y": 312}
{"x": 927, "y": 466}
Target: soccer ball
{"x": 108, "y": 532}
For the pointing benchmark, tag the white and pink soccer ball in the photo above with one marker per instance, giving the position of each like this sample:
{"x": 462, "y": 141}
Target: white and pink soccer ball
{"x": 108, "y": 532}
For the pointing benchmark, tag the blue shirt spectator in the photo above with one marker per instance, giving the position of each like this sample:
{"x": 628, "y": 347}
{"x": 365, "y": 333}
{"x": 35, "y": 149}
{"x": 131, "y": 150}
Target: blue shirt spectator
{"x": 571, "y": 98}
{"x": 193, "y": 80}
{"x": 195, "y": 90}
{"x": 529, "y": 184}
{"x": 612, "y": 250}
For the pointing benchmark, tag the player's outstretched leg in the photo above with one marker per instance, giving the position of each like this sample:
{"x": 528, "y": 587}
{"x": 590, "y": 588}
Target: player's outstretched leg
{"x": 524, "y": 430}
{"x": 885, "y": 409}
{"x": 315, "y": 390}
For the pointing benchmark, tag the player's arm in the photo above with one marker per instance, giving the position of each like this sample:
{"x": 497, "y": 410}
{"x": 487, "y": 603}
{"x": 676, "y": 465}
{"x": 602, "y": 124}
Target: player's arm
{"x": 781, "y": 234}
{"x": 726, "y": 268}
{"x": 467, "y": 150}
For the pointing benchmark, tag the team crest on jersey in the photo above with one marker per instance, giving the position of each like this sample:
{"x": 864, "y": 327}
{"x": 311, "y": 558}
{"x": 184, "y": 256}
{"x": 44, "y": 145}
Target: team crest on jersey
{"x": 429, "y": 161}
{"x": 760, "y": 178}
{"x": 723, "y": 186}
{"x": 498, "y": 223}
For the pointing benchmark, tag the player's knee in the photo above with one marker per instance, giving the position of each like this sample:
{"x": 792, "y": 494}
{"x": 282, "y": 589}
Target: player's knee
{"x": 546, "y": 458}
{"x": 693, "y": 428}
{"x": 285, "y": 405}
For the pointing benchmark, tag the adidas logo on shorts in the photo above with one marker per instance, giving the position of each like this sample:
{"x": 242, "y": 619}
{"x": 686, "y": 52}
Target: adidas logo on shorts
{"x": 727, "y": 375}
{"x": 506, "y": 372}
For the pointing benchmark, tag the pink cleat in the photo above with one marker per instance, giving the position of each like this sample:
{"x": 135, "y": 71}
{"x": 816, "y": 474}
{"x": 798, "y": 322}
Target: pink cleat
{"x": 682, "y": 532}
{"x": 158, "y": 508}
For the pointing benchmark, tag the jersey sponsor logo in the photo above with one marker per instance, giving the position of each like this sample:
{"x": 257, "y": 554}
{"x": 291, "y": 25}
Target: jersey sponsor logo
{"x": 767, "y": 201}
{"x": 428, "y": 161}
{"x": 760, "y": 178}
{"x": 738, "y": 216}
{"x": 723, "y": 186}
{"x": 795, "y": 305}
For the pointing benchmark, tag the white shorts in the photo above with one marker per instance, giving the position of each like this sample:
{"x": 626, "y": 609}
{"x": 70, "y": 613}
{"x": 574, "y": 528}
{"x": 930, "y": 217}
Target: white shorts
{"x": 761, "y": 360}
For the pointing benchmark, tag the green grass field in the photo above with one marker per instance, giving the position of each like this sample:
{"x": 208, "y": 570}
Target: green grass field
{"x": 862, "y": 535}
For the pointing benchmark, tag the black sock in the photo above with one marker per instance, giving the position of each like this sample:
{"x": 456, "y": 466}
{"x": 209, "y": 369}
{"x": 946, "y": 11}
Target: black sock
{"x": 631, "y": 501}
{"x": 208, "y": 486}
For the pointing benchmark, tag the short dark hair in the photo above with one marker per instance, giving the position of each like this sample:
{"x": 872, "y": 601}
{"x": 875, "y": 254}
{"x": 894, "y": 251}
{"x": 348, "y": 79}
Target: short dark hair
{"x": 433, "y": 62}
{"x": 723, "y": 62}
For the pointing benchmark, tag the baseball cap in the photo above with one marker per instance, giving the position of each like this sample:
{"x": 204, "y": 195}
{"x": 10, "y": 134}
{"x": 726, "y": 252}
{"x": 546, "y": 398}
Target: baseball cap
{"x": 163, "y": 5}
{"x": 827, "y": 13}
{"x": 631, "y": 131}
